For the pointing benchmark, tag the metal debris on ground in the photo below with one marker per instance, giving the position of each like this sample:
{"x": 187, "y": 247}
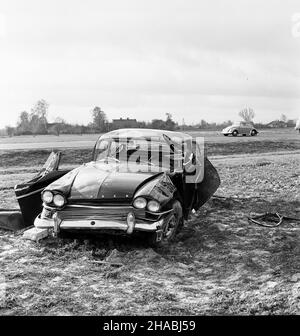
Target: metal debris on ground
{"x": 35, "y": 234}
{"x": 269, "y": 217}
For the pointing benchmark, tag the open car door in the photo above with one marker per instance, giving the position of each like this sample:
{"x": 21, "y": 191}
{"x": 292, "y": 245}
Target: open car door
{"x": 208, "y": 186}
{"x": 201, "y": 178}
{"x": 29, "y": 193}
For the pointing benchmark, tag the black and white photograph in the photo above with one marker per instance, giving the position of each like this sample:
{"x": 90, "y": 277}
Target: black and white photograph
{"x": 149, "y": 161}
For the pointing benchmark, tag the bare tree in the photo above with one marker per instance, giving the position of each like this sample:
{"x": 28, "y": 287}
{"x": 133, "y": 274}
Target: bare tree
{"x": 99, "y": 119}
{"x": 59, "y": 126}
{"x": 9, "y": 131}
{"x": 283, "y": 118}
{"x": 170, "y": 123}
{"x": 39, "y": 117}
{"x": 23, "y": 125}
{"x": 247, "y": 114}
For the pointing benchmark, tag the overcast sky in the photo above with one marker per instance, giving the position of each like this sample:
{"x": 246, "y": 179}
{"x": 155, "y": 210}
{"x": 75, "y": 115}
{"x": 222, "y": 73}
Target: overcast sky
{"x": 141, "y": 59}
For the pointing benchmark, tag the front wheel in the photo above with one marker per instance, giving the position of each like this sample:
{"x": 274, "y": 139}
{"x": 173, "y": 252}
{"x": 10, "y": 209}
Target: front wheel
{"x": 235, "y": 133}
{"x": 170, "y": 228}
{"x": 253, "y": 133}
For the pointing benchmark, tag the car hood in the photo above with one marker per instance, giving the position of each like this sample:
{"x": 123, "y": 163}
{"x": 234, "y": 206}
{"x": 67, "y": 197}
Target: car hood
{"x": 103, "y": 181}
{"x": 227, "y": 129}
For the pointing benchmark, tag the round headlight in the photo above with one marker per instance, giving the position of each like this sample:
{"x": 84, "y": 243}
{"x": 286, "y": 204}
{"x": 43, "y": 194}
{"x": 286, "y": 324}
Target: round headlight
{"x": 59, "y": 200}
{"x": 47, "y": 196}
{"x": 153, "y": 206}
{"x": 140, "y": 203}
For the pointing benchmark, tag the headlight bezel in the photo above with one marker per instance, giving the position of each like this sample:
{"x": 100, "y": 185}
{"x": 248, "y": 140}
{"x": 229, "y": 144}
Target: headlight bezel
{"x": 143, "y": 199}
{"x": 147, "y": 205}
{"x": 50, "y": 193}
{"x": 155, "y": 203}
{"x": 61, "y": 204}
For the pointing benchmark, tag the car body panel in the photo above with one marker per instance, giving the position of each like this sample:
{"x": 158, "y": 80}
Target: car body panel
{"x": 28, "y": 194}
{"x": 108, "y": 224}
{"x": 208, "y": 185}
{"x": 100, "y": 181}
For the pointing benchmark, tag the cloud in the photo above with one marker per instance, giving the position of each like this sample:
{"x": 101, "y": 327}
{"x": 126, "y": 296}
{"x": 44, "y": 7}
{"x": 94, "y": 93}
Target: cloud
{"x": 2, "y": 25}
{"x": 143, "y": 58}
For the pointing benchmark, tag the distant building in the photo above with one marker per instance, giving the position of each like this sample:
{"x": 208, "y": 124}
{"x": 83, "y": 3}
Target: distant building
{"x": 124, "y": 123}
{"x": 49, "y": 125}
{"x": 277, "y": 124}
{"x": 291, "y": 123}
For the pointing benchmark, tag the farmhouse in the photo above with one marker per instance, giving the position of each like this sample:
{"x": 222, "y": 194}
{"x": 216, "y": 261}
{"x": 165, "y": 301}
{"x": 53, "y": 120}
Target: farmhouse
{"x": 277, "y": 124}
{"x": 124, "y": 123}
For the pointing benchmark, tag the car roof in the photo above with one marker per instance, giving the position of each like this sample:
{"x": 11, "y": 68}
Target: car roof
{"x": 237, "y": 123}
{"x": 143, "y": 133}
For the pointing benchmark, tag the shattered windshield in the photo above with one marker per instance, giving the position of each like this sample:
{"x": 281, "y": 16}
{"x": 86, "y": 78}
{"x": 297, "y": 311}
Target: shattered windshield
{"x": 138, "y": 150}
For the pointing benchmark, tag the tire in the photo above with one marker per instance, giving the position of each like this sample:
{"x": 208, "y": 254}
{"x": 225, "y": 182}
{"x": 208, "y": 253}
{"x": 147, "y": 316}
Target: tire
{"x": 170, "y": 228}
{"x": 235, "y": 133}
{"x": 253, "y": 133}
{"x": 225, "y": 134}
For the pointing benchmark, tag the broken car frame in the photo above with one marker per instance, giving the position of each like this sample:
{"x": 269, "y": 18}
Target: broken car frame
{"x": 138, "y": 180}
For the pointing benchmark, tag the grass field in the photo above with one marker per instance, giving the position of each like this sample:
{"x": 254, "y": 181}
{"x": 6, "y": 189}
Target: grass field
{"x": 219, "y": 264}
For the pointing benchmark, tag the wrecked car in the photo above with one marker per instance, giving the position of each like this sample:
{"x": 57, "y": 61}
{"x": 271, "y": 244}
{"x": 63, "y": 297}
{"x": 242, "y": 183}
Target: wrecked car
{"x": 139, "y": 180}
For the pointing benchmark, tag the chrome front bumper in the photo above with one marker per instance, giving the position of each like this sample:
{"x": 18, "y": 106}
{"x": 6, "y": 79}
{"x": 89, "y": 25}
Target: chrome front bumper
{"x": 57, "y": 225}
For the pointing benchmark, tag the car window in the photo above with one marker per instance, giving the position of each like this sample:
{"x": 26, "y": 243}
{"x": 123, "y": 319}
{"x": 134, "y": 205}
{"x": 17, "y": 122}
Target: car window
{"x": 156, "y": 152}
{"x": 102, "y": 149}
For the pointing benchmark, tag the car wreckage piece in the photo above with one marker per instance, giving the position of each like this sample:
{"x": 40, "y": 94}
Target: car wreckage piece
{"x": 126, "y": 188}
{"x": 29, "y": 194}
{"x": 11, "y": 219}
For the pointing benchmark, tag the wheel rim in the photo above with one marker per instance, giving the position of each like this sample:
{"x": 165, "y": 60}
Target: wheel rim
{"x": 170, "y": 228}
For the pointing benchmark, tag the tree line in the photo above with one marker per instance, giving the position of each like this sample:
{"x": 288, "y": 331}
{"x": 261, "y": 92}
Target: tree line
{"x": 36, "y": 122}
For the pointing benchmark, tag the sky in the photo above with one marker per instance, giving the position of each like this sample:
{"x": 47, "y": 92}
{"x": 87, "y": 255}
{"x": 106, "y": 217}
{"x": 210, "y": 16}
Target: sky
{"x": 142, "y": 59}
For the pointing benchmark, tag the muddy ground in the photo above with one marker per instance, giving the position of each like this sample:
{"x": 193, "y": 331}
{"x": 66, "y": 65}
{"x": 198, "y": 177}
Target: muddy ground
{"x": 219, "y": 263}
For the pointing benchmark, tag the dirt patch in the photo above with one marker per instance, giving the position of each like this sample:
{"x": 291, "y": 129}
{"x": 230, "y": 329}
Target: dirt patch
{"x": 37, "y": 157}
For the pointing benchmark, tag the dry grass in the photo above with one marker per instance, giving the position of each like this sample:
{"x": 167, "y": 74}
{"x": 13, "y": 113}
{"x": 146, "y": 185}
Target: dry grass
{"x": 219, "y": 263}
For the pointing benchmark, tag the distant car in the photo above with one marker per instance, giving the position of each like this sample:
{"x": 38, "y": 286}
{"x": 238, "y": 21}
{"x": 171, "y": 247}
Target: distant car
{"x": 138, "y": 180}
{"x": 242, "y": 128}
{"x": 297, "y": 127}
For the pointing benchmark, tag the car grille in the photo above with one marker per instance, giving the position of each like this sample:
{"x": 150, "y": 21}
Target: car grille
{"x": 78, "y": 212}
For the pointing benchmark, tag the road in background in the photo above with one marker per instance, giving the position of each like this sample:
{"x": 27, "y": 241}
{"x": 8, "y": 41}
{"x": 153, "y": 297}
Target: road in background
{"x": 88, "y": 140}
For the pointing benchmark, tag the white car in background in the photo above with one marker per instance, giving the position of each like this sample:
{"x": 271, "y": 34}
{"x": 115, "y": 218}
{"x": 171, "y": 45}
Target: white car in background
{"x": 242, "y": 128}
{"x": 297, "y": 127}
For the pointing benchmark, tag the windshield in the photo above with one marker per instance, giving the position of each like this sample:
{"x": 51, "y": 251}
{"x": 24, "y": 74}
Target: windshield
{"x": 138, "y": 150}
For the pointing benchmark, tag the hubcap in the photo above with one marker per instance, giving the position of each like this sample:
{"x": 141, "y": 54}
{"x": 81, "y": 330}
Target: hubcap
{"x": 170, "y": 227}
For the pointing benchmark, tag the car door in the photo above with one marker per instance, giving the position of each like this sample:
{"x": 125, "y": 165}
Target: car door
{"x": 29, "y": 193}
{"x": 246, "y": 128}
{"x": 207, "y": 186}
